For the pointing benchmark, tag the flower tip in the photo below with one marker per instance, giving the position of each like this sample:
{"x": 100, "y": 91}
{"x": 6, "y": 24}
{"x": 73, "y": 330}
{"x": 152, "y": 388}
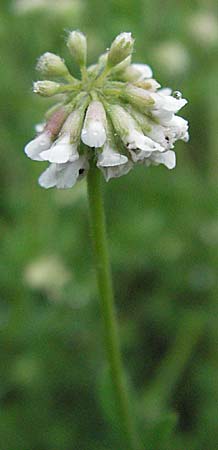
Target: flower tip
{"x": 120, "y": 49}
{"x": 46, "y": 88}
{"x": 95, "y": 136}
{"x": 77, "y": 45}
{"x": 51, "y": 65}
{"x": 34, "y": 148}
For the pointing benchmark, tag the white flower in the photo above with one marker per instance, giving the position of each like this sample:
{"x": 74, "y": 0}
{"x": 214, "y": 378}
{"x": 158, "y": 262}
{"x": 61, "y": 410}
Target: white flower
{"x": 173, "y": 130}
{"x": 64, "y": 176}
{"x": 110, "y": 158}
{"x": 130, "y": 132}
{"x": 65, "y": 147}
{"x": 94, "y": 128}
{"x": 168, "y": 159}
{"x": 115, "y": 115}
{"x": 138, "y": 140}
{"x": 61, "y": 151}
{"x": 144, "y": 70}
{"x": 136, "y": 72}
{"x": 36, "y": 146}
{"x": 165, "y": 91}
{"x": 167, "y": 102}
{"x": 116, "y": 171}
{"x": 162, "y": 116}
{"x": 179, "y": 127}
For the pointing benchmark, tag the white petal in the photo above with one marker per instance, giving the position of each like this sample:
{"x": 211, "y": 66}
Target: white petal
{"x": 61, "y": 151}
{"x": 144, "y": 69}
{"x": 94, "y": 128}
{"x": 138, "y": 140}
{"x": 70, "y": 173}
{"x": 167, "y": 158}
{"x": 67, "y": 177}
{"x": 165, "y": 91}
{"x": 94, "y": 135}
{"x": 162, "y": 116}
{"x": 63, "y": 176}
{"x": 139, "y": 155}
{"x": 117, "y": 171}
{"x": 48, "y": 178}
{"x": 152, "y": 85}
{"x": 37, "y": 145}
{"x": 167, "y": 102}
{"x": 180, "y": 127}
{"x": 110, "y": 158}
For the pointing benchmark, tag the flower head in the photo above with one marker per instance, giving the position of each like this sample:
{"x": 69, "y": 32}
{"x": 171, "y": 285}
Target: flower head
{"x": 116, "y": 114}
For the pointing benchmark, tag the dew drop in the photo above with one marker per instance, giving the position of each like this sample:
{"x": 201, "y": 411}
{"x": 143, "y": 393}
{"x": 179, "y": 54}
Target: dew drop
{"x": 177, "y": 95}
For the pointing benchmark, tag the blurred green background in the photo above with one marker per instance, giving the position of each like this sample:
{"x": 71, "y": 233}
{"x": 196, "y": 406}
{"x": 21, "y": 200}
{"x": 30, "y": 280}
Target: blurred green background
{"x": 163, "y": 233}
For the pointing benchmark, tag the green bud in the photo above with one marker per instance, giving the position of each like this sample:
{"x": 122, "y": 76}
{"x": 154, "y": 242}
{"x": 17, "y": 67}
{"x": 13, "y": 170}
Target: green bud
{"x": 118, "y": 70}
{"x": 51, "y": 65}
{"x": 141, "y": 119}
{"x": 121, "y": 48}
{"x": 46, "y": 88}
{"x": 137, "y": 97}
{"x": 77, "y": 45}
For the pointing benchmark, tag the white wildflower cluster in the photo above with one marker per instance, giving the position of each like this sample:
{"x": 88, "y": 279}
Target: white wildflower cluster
{"x": 116, "y": 115}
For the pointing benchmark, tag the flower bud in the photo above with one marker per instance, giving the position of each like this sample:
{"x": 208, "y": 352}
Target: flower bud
{"x": 121, "y": 48}
{"x": 78, "y": 47}
{"x": 118, "y": 70}
{"x": 138, "y": 97}
{"x": 51, "y": 65}
{"x": 46, "y": 88}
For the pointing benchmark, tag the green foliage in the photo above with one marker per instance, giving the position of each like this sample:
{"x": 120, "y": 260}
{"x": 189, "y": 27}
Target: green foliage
{"x": 163, "y": 231}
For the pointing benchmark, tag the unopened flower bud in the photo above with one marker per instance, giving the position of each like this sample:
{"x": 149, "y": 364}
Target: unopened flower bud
{"x": 46, "y": 88}
{"x": 51, "y": 65}
{"x": 78, "y": 47}
{"x": 121, "y": 48}
{"x": 138, "y": 97}
{"x": 121, "y": 67}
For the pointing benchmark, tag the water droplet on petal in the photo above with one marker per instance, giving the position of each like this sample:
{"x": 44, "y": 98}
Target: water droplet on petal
{"x": 177, "y": 95}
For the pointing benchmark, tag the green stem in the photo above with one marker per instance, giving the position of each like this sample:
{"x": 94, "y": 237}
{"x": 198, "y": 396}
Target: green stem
{"x": 107, "y": 305}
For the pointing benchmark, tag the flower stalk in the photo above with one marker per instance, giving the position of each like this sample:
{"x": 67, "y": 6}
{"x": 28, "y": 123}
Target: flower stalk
{"x": 104, "y": 279}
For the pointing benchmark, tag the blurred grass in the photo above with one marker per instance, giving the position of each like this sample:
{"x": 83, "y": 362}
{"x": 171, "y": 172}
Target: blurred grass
{"x": 163, "y": 231}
